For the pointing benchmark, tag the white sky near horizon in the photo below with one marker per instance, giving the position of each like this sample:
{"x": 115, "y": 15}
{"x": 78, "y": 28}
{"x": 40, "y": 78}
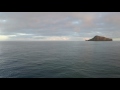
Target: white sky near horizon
{"x": 58, "y": 26}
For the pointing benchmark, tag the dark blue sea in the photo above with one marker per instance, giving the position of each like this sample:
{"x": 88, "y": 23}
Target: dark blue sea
{"x": 59, "y": 59}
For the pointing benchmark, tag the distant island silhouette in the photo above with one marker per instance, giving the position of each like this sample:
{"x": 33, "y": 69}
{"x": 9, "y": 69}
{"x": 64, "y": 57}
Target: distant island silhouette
{"x": 100, "y": 38}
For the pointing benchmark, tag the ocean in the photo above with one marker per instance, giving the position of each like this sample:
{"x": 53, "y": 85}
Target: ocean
{"x": 59, "y": 59}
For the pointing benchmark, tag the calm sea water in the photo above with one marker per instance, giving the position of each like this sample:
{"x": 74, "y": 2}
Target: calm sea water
{"x": 72, "y": 59}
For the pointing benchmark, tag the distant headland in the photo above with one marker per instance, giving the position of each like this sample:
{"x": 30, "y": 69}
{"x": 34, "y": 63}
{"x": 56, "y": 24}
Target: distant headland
{"x": 100, "y": 38}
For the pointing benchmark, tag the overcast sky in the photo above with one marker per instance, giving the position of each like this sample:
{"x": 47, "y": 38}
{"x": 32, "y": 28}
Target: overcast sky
{"x": 58, "y": 26}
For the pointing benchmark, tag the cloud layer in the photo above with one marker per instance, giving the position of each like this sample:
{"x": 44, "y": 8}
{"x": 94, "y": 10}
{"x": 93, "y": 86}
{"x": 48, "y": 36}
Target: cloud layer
{"x": 75, "y": 26}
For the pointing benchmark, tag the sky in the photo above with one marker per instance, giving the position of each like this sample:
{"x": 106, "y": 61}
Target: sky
{"x": 58, "y": 26}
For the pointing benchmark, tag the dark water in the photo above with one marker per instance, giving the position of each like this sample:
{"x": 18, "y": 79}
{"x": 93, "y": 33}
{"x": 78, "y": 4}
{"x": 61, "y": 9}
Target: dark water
{"x": 60, "y": 59}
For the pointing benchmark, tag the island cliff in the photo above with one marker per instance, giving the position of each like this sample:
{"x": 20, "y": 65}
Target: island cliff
{"x": 100, "y": 38}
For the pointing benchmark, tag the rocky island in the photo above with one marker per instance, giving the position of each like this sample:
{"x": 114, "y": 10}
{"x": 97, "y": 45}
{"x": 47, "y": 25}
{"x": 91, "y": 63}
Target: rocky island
{"x": 100, "y": 38}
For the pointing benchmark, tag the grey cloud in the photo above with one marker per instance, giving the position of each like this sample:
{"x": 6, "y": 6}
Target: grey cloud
{"x": 69, "y": 24}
